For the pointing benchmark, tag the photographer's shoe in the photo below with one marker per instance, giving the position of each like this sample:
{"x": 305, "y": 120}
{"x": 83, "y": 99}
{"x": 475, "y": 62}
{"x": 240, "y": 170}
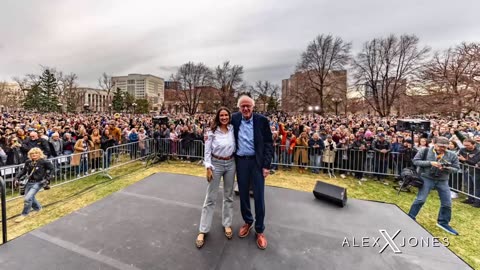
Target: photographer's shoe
{"x": 447, "y": 228}
{"x": 20, "y": 219}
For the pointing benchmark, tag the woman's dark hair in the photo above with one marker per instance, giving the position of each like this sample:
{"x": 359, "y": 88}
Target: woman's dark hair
{"x": 216, "y": 122}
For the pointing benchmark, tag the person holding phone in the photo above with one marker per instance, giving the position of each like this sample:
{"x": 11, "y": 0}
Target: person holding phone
{"x": 220, "y": 163}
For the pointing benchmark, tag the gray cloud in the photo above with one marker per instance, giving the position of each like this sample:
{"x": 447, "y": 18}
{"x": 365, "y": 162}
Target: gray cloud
{"x": 266, "y": 37}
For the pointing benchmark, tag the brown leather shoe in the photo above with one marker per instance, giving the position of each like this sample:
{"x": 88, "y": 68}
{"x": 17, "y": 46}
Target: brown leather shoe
{"x": 245, "y": 230}
{"x": 261, "y": 241}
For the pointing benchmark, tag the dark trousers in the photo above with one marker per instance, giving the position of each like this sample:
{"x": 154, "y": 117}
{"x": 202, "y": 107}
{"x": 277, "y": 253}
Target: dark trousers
{"x": 249, "y": 173}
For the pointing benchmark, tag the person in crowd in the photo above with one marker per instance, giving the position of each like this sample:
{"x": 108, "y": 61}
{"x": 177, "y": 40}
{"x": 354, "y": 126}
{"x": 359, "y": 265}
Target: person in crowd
{"x": 220, "y": 164}
{"x": 381, "y": 147}
{"x": 96, "y": 155}
{"x": 133, "y": 141}
{"x": 301, "y": 153}
{"x": 288, "y": 145}
{"x": 316, "y": 147}
{"x": 14, "y": 153}
{"x": 469, "y": 155}
{"x": 106, "y": 143}
{"x": 277, "y": 142}
{"x": 141, "y": 141}
{"x": 37, "y": 171}
{"x": 56, "y": 145}
{"x": 34, "y": 141}
{"x": 81, "y": 156}
{"x": 68, "y": 144}
{"x": 435, "y": 173}
{"x": 328, "y": 156}
{"x": 254, "y": 153}
{"x": 358, "y": 155}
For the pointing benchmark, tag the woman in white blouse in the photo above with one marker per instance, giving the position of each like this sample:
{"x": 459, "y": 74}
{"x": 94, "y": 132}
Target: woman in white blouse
{"x": 219, "y": 162}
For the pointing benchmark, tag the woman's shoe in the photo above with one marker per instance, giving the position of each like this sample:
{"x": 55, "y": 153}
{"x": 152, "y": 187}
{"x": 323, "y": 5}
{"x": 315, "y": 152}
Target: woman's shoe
{"x": 200, "y": 240}
{"x": 228, "y": 233}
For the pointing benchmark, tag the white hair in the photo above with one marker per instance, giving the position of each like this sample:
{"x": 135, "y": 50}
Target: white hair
{"x": 244, "y": 97}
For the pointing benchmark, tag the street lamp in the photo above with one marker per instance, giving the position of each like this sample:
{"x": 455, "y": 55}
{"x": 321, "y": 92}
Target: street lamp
{"x": 336, "y": 101}
{"x": 110, "y": 108}
{"x": 85, "y": 106}
{"x": 134, "y": 106}
{"x": 60, "y": 107}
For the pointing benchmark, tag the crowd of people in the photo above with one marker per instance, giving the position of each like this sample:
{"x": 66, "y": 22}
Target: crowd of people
{"x": 353, "y": 144}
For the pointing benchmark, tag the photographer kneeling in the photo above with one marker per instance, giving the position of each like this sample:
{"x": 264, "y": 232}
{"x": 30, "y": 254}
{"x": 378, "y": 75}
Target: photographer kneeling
{"x": 34, "y": 176}
{"x": 435, "y": 169}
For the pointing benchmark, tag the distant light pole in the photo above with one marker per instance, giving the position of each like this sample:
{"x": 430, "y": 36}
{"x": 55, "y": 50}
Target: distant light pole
{"x": 336, "y": 101}
{"x": 60, "y": 107}
{"x": 86, "y": 106}
{"x": 310, "y": 109}
{"x": 110, "y": 108}
{"x": 134, "y": 106}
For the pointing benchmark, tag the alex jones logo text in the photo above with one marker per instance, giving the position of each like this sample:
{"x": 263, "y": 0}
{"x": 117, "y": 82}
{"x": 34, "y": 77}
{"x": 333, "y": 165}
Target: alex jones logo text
{"x": 394, "y": 242}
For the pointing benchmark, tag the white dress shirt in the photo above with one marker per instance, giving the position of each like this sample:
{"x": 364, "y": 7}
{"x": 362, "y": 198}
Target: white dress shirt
{"x": 219, "y": 144}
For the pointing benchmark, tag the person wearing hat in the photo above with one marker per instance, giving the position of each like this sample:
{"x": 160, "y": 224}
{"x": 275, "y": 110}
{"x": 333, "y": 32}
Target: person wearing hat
{"x": 435, "y": 174}
{"x": 381, "y": 147}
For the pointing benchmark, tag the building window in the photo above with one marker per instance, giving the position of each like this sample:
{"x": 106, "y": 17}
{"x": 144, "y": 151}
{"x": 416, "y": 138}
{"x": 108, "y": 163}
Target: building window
{"x": 131, "y": 82}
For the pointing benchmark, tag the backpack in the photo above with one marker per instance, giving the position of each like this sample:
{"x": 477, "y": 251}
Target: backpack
{"x": 410, "y": 177}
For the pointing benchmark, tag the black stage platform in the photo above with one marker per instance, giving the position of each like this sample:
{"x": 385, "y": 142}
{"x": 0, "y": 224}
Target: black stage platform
{"x": 153, "y": 224}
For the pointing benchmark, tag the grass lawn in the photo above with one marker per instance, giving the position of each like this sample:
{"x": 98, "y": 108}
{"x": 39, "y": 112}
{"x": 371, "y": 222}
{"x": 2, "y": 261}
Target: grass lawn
{"x": 65, "y": 199}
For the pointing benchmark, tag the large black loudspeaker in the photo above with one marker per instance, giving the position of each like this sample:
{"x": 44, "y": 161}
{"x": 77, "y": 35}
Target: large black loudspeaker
{"x": 160, "y": 120}
{"x": 414, "y": 125}
{"x": 331, "y": 193}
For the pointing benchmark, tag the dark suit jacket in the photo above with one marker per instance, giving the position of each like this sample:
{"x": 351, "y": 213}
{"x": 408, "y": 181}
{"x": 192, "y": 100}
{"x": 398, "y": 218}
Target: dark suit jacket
{"x": 262, "y": 138}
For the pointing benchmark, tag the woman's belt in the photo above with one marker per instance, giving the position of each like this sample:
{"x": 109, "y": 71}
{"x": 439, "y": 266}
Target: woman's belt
{"x": 222, "y": 158}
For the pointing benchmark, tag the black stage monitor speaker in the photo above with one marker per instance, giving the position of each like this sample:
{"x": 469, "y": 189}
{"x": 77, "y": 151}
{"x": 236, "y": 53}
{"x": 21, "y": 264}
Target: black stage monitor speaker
{"x": 331, "y": 193}
{"x": 414, "y": 125}
{"x": 160, "y": 120}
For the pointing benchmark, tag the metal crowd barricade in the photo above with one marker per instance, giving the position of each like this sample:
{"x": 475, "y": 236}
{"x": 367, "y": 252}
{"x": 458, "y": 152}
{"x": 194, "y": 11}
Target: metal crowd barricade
{"x": 66, "y": 168}
{"x": 123, "y": 154}
{"x": 191, "y": 150}
{"x": 341, "y": 160}
{"x": 466, "y": 181}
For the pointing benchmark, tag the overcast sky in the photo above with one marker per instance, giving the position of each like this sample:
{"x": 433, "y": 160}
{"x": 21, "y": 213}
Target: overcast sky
{"x": 89, "y": 37}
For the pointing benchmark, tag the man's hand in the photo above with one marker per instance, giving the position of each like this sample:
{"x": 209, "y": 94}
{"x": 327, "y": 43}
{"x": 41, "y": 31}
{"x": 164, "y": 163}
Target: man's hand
{"x": 209, "y": 175}
{"x": 266, "y": 172}
{"x": 436, "y": 164}
{"x": 15, "y": 183}
{"x": 461, "y": 158}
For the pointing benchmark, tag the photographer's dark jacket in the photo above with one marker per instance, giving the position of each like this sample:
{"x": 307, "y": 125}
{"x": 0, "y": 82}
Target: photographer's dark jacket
{"x": 430, "y": 172}
{"x": 43, "y": 169}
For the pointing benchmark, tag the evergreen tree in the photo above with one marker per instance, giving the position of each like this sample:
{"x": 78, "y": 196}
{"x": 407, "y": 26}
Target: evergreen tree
{"x": 142, "y": 105}
{"x": 32, "y": 101}
{"x": 117, "y": 102}
{"x": 48, "y": 98}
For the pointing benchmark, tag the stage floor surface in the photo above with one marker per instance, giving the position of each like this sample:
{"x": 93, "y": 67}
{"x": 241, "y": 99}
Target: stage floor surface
{"x": 153, "y": 224}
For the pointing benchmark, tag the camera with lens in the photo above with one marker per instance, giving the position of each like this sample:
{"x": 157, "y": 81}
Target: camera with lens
{"x": 445, "y": 164}
{"x": 435, "y": 172}
{"x": 22, "y": 182}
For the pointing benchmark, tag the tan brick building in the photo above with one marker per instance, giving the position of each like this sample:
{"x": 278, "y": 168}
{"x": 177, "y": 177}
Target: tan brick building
{"x": 298, "y": 95}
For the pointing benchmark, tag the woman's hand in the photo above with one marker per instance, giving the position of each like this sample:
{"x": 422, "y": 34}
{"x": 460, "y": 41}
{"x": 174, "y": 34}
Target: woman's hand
{"x": 209, "y": 175}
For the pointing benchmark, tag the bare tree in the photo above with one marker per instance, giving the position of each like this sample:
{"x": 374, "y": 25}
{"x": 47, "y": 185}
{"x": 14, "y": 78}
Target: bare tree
{"x": 105, "y": 83}
{"x": 228, "y": 79}
{"x": 263, "y": 91}
{"x": 192, "y": 78}
{"x": 324, "y": 55}
{"x": 452, "y": 79}
{"x": 385, "y": 66}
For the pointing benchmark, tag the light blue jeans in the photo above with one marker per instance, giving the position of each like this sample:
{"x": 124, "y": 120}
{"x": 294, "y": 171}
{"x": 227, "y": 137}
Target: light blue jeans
{"x": 30, "y": 201}
{"x": 445, "y": 212}
{"x": 223, "y": 169}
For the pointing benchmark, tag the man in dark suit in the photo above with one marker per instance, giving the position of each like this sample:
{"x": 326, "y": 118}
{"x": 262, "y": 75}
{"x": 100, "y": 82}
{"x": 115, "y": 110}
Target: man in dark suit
{"x": 254, "y": 153}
